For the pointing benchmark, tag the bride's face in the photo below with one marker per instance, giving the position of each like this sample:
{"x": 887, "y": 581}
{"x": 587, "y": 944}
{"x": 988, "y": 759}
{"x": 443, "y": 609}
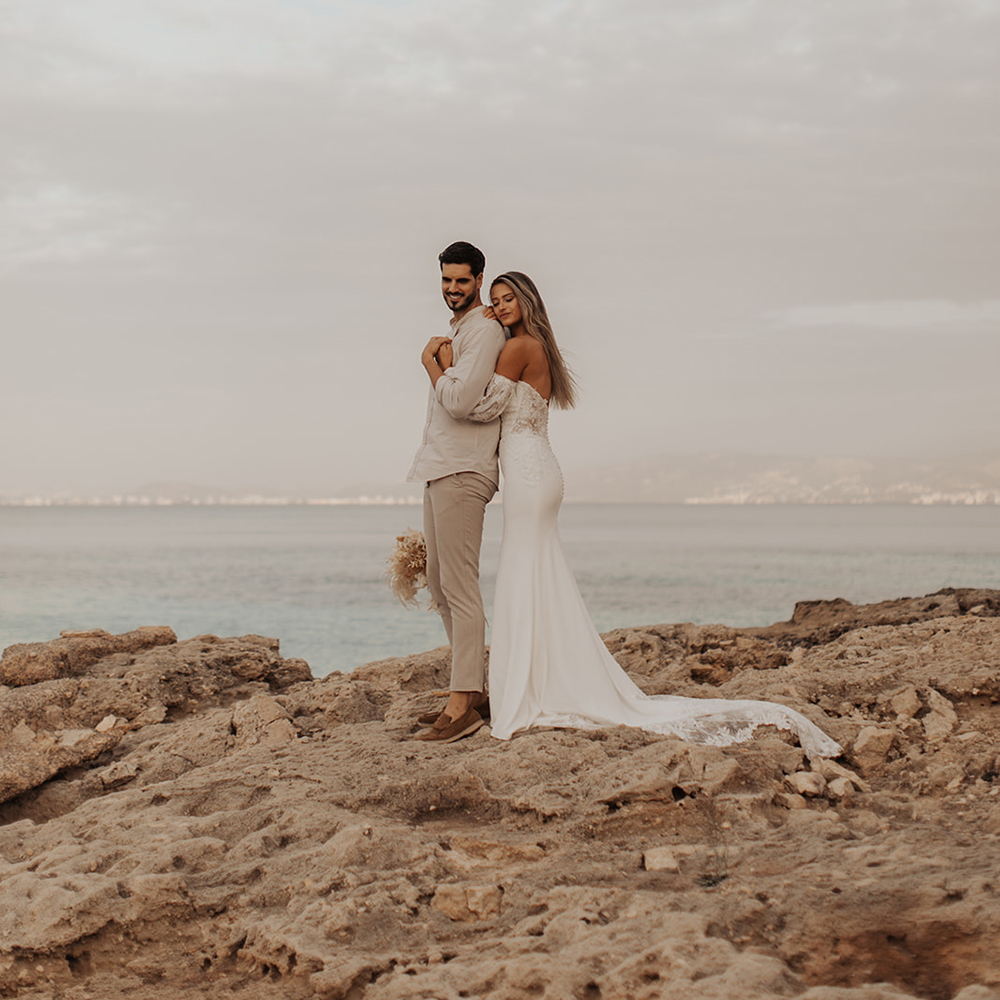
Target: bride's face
{"x": 505, "y": 305}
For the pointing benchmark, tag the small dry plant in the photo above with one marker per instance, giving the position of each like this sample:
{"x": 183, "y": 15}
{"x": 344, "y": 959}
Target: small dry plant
{"x": 714, "y": 860}
{"x": 406, "y": 567}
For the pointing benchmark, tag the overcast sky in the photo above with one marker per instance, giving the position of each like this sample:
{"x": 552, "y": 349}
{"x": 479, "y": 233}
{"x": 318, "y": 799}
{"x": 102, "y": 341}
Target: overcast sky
{"x": 761, "y": 226}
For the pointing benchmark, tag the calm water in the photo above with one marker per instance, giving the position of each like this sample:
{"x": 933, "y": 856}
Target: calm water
{"x": 312, "y": 576}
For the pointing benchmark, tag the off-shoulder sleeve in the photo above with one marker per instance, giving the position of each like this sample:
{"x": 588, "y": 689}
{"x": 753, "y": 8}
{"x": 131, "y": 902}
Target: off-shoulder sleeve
{"x": 498, "y": 391}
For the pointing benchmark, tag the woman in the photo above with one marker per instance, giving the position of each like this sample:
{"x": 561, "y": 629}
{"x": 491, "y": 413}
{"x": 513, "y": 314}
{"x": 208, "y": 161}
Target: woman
{"x": 548, "y": 665}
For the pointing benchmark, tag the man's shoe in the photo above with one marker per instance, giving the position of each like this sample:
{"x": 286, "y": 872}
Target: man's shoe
{"x": 429, "y": 718}
{"x": 447, "y": 730}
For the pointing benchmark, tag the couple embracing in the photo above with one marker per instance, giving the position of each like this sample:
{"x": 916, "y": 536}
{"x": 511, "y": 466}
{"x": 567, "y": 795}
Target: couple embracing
{"x": 488, "y": 411}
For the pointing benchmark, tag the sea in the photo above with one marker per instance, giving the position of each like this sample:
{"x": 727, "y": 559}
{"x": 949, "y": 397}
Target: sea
{"x": 314, "y": 576}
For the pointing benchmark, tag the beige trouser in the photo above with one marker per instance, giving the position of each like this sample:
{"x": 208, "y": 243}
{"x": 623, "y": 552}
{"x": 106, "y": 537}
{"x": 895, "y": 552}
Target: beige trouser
{"x": 454, "y": 507}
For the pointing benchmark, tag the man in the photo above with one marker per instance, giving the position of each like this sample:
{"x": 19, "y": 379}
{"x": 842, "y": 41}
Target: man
{"x": 458, "y": 463}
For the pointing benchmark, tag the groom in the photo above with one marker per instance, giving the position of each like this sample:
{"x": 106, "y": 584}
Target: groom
{"x": 457, "y": 462}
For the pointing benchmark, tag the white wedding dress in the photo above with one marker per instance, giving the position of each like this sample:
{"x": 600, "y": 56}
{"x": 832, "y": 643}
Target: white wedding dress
{"x": 548, "y": 665}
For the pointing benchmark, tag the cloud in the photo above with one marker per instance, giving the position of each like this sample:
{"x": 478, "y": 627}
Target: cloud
{"x": 61, "y": 223}
{"x": 285, "y": 171}
{"x": 664, "y": 124}
{"x": 119, "y": 51}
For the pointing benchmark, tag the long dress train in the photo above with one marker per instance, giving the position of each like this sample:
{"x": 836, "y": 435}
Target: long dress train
{"x": 548, "y": 665}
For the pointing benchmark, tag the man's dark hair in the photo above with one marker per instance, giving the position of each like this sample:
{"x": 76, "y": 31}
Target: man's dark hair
{"x": 464, "y": 253}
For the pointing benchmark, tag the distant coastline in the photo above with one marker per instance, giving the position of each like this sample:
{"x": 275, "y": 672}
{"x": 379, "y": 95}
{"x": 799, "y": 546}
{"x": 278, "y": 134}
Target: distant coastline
{"x": 704, "y": 479}
{"x": 253, "y": 500}
{"x": 971, "y": 498}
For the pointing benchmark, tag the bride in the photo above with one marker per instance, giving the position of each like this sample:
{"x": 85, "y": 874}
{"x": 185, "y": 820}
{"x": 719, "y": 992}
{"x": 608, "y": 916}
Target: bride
{"x": 548, "y": 665}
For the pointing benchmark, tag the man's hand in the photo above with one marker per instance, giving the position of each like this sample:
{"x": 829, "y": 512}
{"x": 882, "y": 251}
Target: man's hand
{"x": 431, "y": 350}
{"x": 429, "y": 358}
{"x": 446, "y": 355}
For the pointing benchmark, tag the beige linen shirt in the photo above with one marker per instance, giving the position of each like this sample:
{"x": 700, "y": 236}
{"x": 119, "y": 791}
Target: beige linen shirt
{"x": 451, "y": 443}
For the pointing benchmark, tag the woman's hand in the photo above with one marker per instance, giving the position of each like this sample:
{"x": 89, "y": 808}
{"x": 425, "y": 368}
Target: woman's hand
{"x": 429, "y": 357}
{"x": 489, "y": 313}
{"x": 446, "y": 355}
{"x": 434, "y": 345}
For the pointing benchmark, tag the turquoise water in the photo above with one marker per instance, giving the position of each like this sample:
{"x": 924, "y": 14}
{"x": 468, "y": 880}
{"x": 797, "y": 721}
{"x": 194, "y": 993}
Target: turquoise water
{"x": 312, "y": 576}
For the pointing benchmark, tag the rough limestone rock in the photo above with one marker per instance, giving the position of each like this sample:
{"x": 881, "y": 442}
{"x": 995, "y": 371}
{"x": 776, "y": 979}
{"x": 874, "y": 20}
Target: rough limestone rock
{"x": 52, "y": 725}
{"x": 816, "y": 622}
{"x": 29, "y": 663}
{"x": 872, "y": 746}
{"x": 201, "y": 819}
{"x": 468, "y": 902}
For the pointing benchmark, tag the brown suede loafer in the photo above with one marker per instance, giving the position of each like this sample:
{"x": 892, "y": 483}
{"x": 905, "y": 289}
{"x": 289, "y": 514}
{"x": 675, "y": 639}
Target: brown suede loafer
{"x": 429, "y": 718}
{"x": 447, "y": 730}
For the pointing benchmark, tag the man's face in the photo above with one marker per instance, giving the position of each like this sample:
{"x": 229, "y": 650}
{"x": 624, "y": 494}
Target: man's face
{"x": 459, "y": 286}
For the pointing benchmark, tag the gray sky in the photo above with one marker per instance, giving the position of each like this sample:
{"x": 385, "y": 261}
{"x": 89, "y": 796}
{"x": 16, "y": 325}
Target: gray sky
{"x": 765, "y": 226}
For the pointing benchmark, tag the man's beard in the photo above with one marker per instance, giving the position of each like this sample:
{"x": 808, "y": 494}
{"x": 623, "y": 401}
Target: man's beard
{"x": 462, "y": 303}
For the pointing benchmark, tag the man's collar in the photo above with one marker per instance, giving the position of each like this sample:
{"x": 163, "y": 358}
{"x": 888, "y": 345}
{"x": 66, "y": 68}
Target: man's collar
{"x": 456, "y": 320}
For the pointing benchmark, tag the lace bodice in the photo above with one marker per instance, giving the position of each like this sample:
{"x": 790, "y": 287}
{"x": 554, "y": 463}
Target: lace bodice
{"x": 519, "y": 405}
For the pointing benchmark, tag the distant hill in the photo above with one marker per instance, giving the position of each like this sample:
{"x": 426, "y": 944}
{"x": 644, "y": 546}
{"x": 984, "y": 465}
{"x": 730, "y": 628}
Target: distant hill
{"x": 768, "y": 479}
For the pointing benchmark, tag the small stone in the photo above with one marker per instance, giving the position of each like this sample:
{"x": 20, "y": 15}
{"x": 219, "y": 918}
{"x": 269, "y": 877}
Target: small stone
{"x": 484, "y": 900}
{"x": 262, "y": 720}
{"x": 71, "y": 737}
{"x": 22, "y": 733}
{"x": 942, "y": 718}
{"x": 117, "y": 774}
{"x": 872, "y": 746}
{"x": 153, "y": 713}
{"x": 106, "y": 724}
{"x": 840, "y": 788}
{"x": 808, "y": 783}
{"x": 790, "y": 800}
{"x": 906, "y": 703}
{"x": 830, "y": 769}
{"x": 660, "y": 859}
{"x": 467, "y": 902}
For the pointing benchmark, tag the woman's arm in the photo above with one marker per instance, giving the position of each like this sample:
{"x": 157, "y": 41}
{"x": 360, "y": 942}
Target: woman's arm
{"x": 494, "y": 400}
{"x": 462, "y": 385}
{"x": 510, "y": 366}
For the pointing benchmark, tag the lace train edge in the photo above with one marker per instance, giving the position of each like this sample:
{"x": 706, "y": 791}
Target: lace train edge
{"x": 719, "y": 731}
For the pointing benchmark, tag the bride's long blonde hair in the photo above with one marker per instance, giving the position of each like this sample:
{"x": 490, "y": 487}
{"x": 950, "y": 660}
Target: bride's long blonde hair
{"x": 537, "y": 325}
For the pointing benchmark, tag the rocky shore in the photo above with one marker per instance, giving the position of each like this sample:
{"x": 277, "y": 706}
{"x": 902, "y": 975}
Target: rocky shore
{"x": 202, "y": 818}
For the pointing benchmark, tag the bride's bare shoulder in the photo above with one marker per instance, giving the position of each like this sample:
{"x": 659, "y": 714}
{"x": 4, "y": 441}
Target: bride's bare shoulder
{"x": 523, "y": 348}
{"x": 518, "y": 356}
